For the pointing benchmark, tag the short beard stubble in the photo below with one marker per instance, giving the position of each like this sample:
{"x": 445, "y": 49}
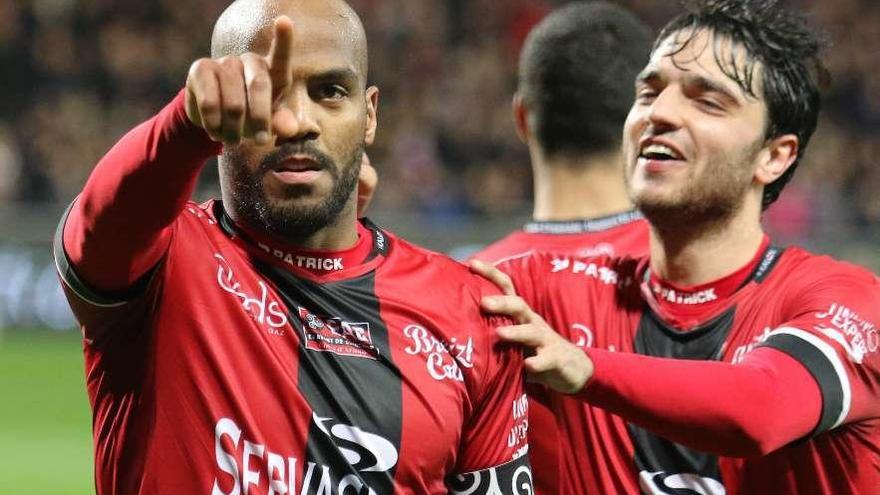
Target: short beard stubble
{"x": 290, "y": 221}
{"x": 707, "y": 202}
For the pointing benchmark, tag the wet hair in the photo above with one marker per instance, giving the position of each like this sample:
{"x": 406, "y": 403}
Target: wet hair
{"x": 787, "y": 50}
{"x": 576, "y": 73}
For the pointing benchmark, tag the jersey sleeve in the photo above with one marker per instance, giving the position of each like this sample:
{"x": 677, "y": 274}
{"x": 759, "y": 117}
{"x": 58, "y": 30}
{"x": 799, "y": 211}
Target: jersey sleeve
{"x": 493, "y": 458}
{"x": 113, "y": 237}
{"x": 831, "y": 330}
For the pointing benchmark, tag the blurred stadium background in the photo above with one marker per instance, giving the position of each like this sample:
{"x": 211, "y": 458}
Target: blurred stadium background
{"x": 79, "y": 73}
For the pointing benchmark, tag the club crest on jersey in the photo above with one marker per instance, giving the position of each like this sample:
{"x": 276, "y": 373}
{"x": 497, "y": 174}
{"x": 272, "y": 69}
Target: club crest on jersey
{"x": 335, "y": 335}
{"x": 307, "y": 262}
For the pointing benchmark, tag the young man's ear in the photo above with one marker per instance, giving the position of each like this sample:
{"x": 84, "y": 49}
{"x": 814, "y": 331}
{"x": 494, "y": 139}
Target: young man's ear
{"x": 779, "y": 154}
{"x": 521, "y": 117}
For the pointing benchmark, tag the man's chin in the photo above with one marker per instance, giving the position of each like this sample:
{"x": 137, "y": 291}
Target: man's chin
{"x": 284, "y": 195}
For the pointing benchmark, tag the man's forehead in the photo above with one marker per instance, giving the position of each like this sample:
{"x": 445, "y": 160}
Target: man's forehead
{"x": 319, "y": 26}
{"x": 709, "y": 55}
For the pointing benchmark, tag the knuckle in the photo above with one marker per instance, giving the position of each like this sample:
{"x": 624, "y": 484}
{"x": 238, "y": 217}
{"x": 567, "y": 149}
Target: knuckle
{"x": 259, "y": 82}
{"x": 208, "y": 104}
{"x": 234, "y": 109}
{"x": 202, "y": 65}
{"x": 229, "y": 61}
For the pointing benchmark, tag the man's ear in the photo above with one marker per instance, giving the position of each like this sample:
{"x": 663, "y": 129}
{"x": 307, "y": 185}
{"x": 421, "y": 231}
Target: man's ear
{"x": 372, "y": 102}
{"x": 776, "y": 157}
{"x": 368, "y": 179}
{"x": 521, "y": 117}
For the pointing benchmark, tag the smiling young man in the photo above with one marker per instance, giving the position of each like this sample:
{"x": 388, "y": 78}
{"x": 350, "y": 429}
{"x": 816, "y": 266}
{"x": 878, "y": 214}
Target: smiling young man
{"x": 775, "y": 382}
{"x": 270, "y": 342}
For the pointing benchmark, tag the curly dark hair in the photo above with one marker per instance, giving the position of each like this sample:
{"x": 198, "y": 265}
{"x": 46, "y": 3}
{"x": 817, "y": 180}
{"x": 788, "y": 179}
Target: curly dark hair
{"x": 576, "y": 72}
{"x": 787, "y": 49}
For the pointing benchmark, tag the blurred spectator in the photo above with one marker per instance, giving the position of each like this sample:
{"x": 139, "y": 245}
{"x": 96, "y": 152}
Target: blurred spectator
{"x": 77, "y": 73}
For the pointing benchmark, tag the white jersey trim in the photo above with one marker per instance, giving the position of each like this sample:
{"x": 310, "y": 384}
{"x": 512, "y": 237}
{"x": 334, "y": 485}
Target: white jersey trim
{"x": 833, "y": 358}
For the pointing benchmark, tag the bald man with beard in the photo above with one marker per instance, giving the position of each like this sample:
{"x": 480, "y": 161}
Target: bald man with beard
{"x": 270, "y": 342}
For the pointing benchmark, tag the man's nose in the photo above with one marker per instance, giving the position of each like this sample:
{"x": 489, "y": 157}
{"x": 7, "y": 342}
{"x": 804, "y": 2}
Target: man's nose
{"x": 296, "y": 119}
{"x": 665, "y": 111}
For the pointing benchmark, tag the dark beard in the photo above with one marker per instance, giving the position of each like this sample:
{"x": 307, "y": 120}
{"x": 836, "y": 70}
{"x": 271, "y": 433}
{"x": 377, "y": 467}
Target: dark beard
{"x": 701, "y": 214}
{"x": 705, "y": 206}
{"x": 291, "y": 222}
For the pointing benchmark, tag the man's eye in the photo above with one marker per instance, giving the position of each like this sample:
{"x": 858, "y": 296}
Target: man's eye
{"x": 646, "y": 95}
{"x": 331, "y": 92}
{"x": 710, "y": 103}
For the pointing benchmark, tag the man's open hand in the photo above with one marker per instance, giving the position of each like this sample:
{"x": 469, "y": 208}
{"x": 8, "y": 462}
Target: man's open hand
{"x": 236, "y": 97}
{"x": 554, "y": 361}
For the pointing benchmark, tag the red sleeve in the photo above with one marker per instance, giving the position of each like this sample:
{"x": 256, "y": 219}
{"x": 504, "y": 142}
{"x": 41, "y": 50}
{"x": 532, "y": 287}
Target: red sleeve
{"x": 119, "y": 227}
{"x": 493, "y": 455}
{"x": 817, "y": 370}
{"x": 831, "y": 329}
{"x": 757, "y": 406}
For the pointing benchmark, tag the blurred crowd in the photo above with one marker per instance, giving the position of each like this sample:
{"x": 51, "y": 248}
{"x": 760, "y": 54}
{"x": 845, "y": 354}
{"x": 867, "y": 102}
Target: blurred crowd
{"x": 79, "y": 73}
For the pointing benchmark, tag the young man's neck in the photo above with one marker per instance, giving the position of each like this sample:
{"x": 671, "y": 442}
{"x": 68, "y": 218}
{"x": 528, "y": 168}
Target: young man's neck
{"x": 692, "y": 253}
{"x": 572, "y": 188}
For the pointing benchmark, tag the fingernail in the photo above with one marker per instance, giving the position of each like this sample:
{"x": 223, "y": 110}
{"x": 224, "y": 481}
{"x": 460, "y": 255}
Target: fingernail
{"x": 262, "y": 137}
{"x": 489, "y": 302}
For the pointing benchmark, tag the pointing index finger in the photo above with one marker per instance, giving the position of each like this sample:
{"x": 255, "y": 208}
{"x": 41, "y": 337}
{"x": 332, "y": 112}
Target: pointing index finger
{"x": 279, "y": 55}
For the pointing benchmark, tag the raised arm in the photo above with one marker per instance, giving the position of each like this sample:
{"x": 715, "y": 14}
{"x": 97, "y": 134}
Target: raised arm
{"x": 120, "y": 226}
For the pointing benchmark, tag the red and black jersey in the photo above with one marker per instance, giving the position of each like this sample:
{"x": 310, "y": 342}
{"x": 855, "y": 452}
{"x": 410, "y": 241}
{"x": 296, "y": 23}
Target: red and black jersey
{"x": 779, "y": 375}
{"x": 613, "y": 235}
{"x": 238, "y": 365}
{"x": 624, "y": 233}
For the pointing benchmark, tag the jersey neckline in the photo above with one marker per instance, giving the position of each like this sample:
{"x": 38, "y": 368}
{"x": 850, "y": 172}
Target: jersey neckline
{"x": 686, "y": 308}
{"x": 582, "y": 226}
{"x": 368, "y": 252}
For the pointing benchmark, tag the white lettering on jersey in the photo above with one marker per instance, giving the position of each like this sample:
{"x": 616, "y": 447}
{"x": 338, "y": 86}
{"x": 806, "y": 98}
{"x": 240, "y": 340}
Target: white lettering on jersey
{"x": 308, "y": 262}
{"x": 497, "y": 480}
{"x": 261, "y": 309}
{"x": 602, "y": 273}
{"x": 280, "y": 471}
{"x": 673, "y": 296}
{"x": 560, "y": 264}
{"x": 856, "y": 335}
{"x": 520, "y": 430}
{"x": 742, "y": 350}
{"x": 444, "y": 359}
